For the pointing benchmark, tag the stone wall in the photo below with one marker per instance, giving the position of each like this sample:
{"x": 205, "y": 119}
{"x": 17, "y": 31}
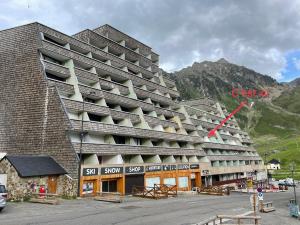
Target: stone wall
{"x": 20, "y": 189}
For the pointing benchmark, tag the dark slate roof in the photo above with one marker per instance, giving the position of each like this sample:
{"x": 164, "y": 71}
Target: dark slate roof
{"x": 274, "y": 161}
{"x": 32, "y": 166}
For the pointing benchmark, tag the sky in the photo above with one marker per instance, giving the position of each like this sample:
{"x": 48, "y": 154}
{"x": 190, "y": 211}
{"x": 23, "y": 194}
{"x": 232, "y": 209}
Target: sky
{"x": 261, "y": 35}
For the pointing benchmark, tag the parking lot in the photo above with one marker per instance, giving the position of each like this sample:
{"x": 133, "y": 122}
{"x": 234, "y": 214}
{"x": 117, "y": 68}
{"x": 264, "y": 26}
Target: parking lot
{"x": 182, "y": 210}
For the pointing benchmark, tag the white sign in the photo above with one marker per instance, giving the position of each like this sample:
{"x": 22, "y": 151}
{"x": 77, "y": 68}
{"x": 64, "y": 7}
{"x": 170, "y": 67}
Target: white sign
{"x": 260, "y": 196}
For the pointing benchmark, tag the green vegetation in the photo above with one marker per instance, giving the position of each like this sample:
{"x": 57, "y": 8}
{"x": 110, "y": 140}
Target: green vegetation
{"x": 289, "y": 100}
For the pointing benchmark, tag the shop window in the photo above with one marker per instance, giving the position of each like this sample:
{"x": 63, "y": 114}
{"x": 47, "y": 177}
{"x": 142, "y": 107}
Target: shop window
{"x": 109, "y": 186}
{"x": 151, "y": 181}
{"x": 170, "y": 181}
{"x": 183, "y": 182}
{"x": 88, "y": 187}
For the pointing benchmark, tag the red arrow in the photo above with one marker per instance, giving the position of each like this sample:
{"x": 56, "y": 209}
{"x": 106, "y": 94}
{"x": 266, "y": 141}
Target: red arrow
{"x": 213, "y": 131}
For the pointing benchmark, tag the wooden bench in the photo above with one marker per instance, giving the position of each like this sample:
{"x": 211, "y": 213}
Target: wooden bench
{"x": 267, "y": 207}
{"x": 109, "y": 197}
{"x": 51, "y": 199}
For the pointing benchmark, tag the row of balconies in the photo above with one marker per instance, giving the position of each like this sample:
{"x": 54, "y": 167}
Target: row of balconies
{"x": 231, "y": 157}
{"x": 108, "y": 70}
{"x": 62, "y": 87}
{"x": 211, "y": 145}
{"x": 231, "y": 169}
{"x": 111, "y": 149}
{"x": 77, "y": 106}
{"x": 57, "y": 69}
{"x": 154, "y": 121}
{"x": 85, "y": 47}
{"x": 156, "y": 97}
{"x": 133, "y": 132}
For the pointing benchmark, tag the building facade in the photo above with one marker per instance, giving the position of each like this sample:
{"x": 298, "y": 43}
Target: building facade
{"x": 101, "y": 92}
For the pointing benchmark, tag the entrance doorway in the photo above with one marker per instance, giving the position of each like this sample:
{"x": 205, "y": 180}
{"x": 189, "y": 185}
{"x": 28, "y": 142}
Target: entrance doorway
{"x": 109, "y": 186}
{"x": 52, "y": 184}
{"x": 133, "y": 180}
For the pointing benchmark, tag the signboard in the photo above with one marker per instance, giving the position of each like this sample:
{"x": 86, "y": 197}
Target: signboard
{"x": 205, "y": 172}
{"x": 183, "y": 166}
{"x": 153, "y": 168}
{"x": 90, "y": 171}
{"x": 194, "y": 166}
{"x": 134, "y": 169}
{"x": 169, "y": 167}
{"x": 260, "y": 196}
{"x": 111, "y": 170}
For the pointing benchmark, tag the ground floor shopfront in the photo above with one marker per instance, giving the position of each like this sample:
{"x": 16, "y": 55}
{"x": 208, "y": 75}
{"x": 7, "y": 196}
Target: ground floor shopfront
{"x": 122, "y": 179}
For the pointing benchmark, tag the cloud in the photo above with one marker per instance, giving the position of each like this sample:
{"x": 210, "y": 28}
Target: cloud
{"x": 296, "y": 63}
{"x": 256, "y": 34}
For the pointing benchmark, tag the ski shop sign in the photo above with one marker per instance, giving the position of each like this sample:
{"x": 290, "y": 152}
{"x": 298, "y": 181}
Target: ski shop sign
{"x": 134, "y": 169}
{"x": 111, "y": 170}
{"x": 90, "y": 171}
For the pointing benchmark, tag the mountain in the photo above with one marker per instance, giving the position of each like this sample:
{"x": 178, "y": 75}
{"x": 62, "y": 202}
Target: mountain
{"x": 273, "y": 123}
{"x": 295, "y": 82}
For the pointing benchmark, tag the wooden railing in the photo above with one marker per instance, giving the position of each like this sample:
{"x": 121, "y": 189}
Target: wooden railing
{"x": 240, "y": 219}
{"x": 158, "y": 191}
{"x": 44, "y": 198}
{"x": 215, "y": 190}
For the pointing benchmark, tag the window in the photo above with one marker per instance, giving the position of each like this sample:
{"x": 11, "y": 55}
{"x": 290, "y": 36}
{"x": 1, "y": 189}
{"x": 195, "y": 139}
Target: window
{"x": 125, "y": 109}
{"x": 137, "y": 141}
{"x": 109, "y": 186}
{"x": 50, "y": 59}
{"x": 94, "y": 117}
{"x": 54, "y": 77}
{"x": 183, "y": 182}
{"x": 182, "y": 144}
{"x": 120, "y": 140}
{"x": 90, "y": 100}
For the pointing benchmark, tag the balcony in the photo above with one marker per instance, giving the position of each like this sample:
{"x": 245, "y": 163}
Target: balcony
{"x": 156, "y": 97}
{"x": 76, "y": 106}
{"x": 90, "y": 92}
{"x": 111, "y": 149}
{"x": 85, "y": 76}
{"x": 132, "y": 132}
{"x": 153, "y": 121}
{"x": 170, "y": 83}
{"x": 62, "y": 87}
{"x": 189, "y": 127}
{"x": 90, "y": 48}
{"x": 232, "y": 157}
{"x": 109, "y": 85}
{"x": 211, "y": 145}
{"x": 49, "y": 47}
{"x": 247, "y": 140}
{"x": 203, "y": 123}
{"x": 235, "y": 169}
{"x": 57, "y": 69}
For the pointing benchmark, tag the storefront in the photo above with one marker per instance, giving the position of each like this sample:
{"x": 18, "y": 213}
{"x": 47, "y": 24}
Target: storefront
{"x": 122, "y": 179}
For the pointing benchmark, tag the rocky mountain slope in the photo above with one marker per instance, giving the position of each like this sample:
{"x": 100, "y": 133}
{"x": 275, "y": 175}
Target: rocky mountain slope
{"x": 274, "y": 122}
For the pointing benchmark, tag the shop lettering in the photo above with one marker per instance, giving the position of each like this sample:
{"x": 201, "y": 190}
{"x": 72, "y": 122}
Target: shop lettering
{"x": 169, "y": 167}
{"x": 111, "y": 170}
{"x": 90, "y": 171}
{"x": 248, "y": 93}
{"x": 194, "y": 166}
{"x": 183, "y": 166}
{"x": 134, "y": 169}
{"x": 153, "y": 168}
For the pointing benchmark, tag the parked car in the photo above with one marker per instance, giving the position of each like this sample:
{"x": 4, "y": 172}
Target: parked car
{"x": 286, "y": 182}
{"x": 2, "y": 203}
{"x": 3, "y": 192}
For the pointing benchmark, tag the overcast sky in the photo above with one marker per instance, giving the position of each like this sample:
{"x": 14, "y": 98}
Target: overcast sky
{"x": 263, "y": 35}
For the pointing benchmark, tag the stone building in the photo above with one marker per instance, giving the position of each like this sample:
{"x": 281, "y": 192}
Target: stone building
{"x": 105, "y": 88}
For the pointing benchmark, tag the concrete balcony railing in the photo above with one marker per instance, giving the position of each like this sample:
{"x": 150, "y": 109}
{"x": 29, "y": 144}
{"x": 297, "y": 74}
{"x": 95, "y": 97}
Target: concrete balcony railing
{"x": 170, "y": 83}
{"x": 132, "y": 132}
{"x": 211, "y": 145}
{"x": 200, "y": 113}
{"x": 156, "y": 97}
{"x": 86, "y": 76}
{"x": 111, "y": 149}
{"x": 47, "y": 47}
{"x": 100, "y": 110}
{"x": 203, "y": 123}
{"x": 189, "y": 127}
{"x": 247, "y": 140}
{"x": 109, "y": 85}
{"x": 99, "y": 52}
{"x": 232, "y": 157}
{"x": 62, "y": 87}
{"x": 229, "y": 137}
{"x": 57, "y": 69}
{"x": 90, "y": 92}
{"x": 153, "y": 121}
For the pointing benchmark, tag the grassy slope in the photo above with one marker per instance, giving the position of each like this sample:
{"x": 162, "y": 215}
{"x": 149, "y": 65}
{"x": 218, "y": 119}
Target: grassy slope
{"x": 289, "y": 100}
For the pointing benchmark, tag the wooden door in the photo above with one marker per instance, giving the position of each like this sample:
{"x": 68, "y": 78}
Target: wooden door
{"x": 52, "y": 184}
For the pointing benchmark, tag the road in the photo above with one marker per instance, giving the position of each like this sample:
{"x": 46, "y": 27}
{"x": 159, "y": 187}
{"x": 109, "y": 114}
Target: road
{"x": 183, "y": 210}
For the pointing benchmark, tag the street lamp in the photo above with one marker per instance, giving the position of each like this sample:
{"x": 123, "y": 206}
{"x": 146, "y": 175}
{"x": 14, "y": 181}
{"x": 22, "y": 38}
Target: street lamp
{"x": 82, "y": 134}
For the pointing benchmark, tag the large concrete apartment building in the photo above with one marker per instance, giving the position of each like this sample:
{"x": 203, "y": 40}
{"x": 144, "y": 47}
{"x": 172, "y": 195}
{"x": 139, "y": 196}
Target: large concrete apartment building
{"x": 101, "y": 92}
